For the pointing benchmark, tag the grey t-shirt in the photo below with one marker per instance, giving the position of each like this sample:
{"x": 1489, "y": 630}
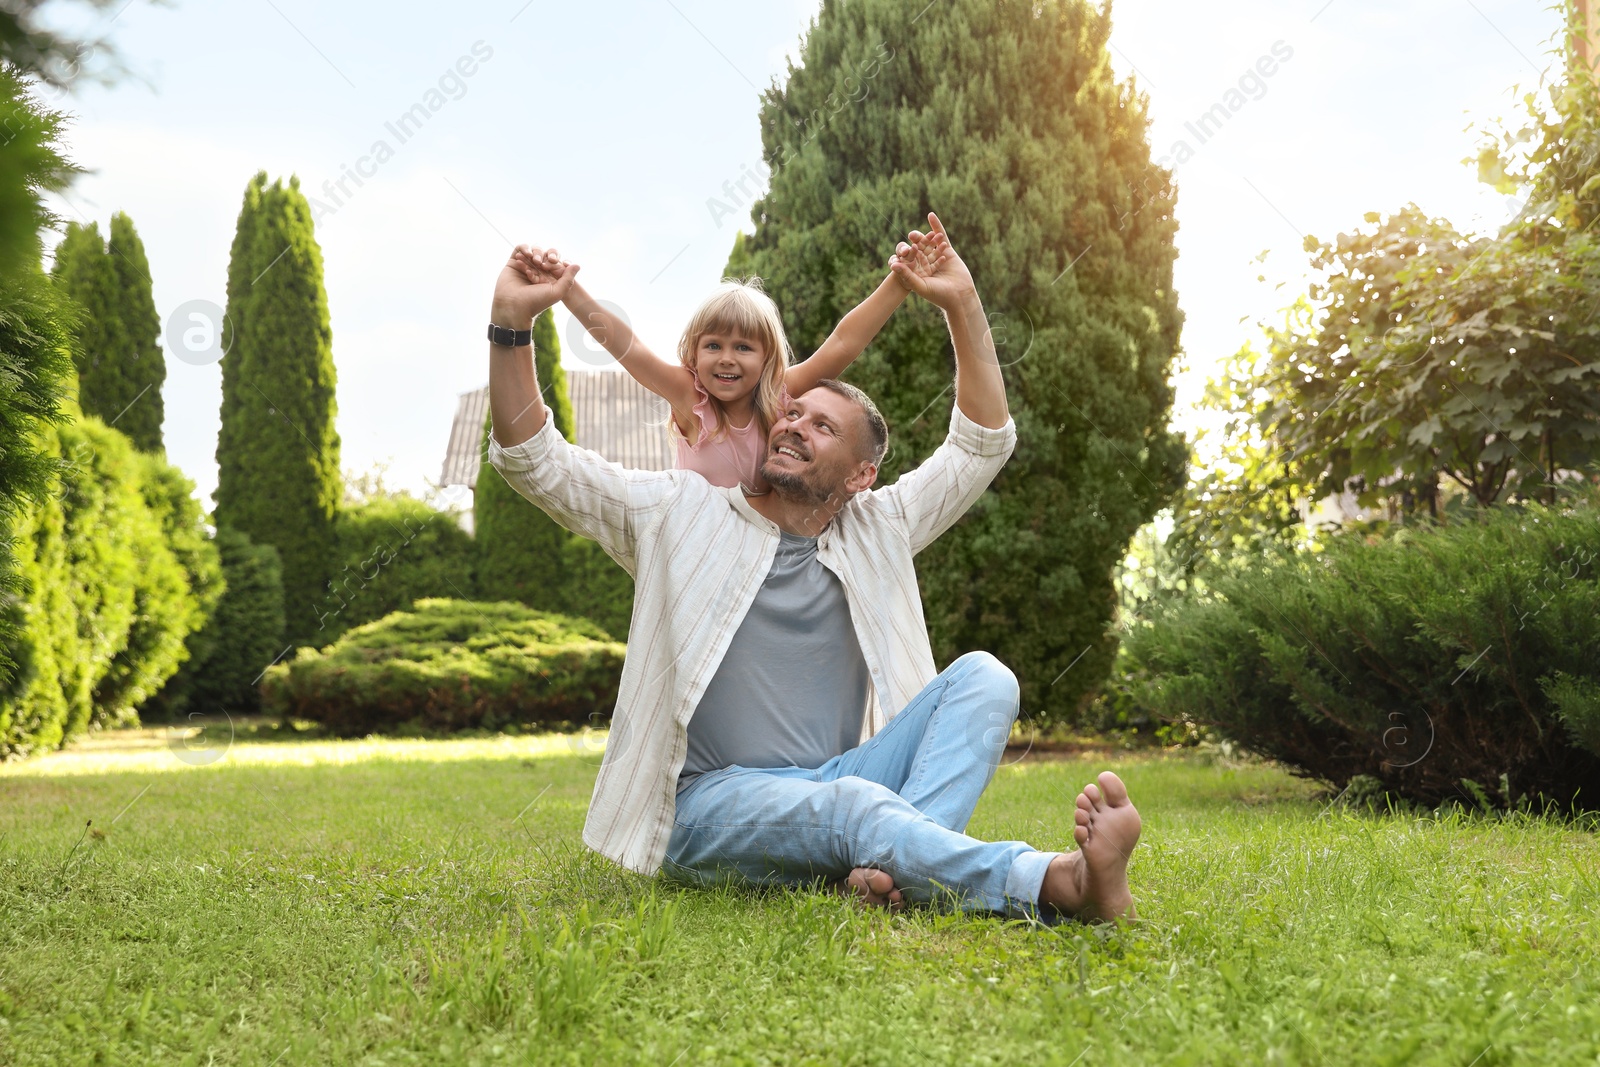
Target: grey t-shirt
{"x": 792, "y": 689}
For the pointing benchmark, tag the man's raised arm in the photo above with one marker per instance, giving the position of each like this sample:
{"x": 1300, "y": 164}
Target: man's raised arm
{"x": 521, "y": 293}
{"x": 574, "y": 486}
{"x": 982, "y": 436}
{"x": 980, "y": 391}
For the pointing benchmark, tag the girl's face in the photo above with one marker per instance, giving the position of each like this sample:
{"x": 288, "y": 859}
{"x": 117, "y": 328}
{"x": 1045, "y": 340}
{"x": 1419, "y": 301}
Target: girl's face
{"x": 729, "y": 364}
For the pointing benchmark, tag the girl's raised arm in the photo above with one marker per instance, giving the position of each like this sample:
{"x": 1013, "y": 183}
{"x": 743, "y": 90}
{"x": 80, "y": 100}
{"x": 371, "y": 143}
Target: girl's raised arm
{"x": 859, "y": 326}
{"x": 671, "y": 381}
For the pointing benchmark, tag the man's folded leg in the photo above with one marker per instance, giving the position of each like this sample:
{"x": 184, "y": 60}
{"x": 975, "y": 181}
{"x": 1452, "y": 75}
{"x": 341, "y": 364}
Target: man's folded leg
{"x": 941, "y": 750}
{"x": 782, "y": 826}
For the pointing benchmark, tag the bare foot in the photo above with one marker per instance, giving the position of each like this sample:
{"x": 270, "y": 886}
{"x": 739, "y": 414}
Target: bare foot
{"x": 1092, "y": 883}
{"x": 872, "y": 887}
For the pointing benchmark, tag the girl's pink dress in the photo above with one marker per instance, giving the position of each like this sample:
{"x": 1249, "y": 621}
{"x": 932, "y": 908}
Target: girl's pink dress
{"x": 732, "y": 459}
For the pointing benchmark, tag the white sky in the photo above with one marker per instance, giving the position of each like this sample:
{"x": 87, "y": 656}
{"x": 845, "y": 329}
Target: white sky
{"x": 603, "y": 129}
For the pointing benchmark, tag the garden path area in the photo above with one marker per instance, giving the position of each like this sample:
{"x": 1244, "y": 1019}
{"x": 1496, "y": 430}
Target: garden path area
{"x": 396, "y": 902}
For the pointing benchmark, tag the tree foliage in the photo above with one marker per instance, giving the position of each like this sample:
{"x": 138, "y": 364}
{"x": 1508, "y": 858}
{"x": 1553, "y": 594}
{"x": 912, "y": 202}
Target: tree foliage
{"x": 1428, "y": 367}
{"x": 139, "y": 342}
{"x": 115, "y": 347}
{"x": 57, "y": 59}
{"x": 1429, "y": 355}
{"x": 33, "y": 162}
{"x": 1005, "y": 118}
{"x": 278, "y": 476}
{"x": 35, "y": 329}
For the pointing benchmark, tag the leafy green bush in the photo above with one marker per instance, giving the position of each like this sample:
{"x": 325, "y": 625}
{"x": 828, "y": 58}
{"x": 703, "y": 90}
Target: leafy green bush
{"x": 117, "y": 573}
{"x": 1438, "y": 658}
{"x": 239, "y": 639}
{"x": 392, "y": 549}
{"x": 451, "y": 665}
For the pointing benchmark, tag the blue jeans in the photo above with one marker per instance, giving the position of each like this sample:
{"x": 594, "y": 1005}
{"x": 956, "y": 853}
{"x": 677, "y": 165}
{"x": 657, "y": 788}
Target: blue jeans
{"x": 898, "y": 802}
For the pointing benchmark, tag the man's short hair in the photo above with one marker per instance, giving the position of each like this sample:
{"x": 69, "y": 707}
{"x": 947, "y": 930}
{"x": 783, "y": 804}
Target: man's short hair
{"x": 877, "y": 429}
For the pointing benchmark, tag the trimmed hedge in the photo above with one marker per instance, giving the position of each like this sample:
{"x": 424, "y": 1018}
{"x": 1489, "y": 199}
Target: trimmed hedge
{"x": 178, "y": 589}
{"x": 451, "y": 665}
{"x": 1448, "y": 663}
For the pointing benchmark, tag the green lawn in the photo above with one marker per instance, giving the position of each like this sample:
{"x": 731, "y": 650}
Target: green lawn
{"x": 382, "y": 902}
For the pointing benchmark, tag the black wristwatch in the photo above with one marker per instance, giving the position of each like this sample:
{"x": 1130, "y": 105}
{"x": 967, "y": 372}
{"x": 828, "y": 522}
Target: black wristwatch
{"x": 505, "y": 335}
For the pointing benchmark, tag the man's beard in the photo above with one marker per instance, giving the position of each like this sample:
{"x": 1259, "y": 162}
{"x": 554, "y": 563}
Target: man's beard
{"x": 794, "y": 486}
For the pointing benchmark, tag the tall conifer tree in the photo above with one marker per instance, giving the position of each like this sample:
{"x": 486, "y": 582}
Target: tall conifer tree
{"x": 138, "y": 344}
{"x": 83, "y": 273}
{"x": 119, "y": 360}
{"x": 1003, "y": 116}
{"x": 278, "y": 477}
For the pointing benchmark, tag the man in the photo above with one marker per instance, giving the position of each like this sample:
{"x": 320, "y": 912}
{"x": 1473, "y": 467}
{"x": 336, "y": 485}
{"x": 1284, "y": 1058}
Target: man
{"x": 771, "y": 631}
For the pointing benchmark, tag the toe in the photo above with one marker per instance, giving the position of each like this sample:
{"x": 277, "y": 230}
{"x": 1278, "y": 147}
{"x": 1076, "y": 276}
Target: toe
{"x": 1116, "y": 793}
{"x": 1080, "y": 834}
{"x": 1082, "y": 817}
{"x": 871, "y": 886}
{"x": 1092, "y": 791}
{"x": 1084, "y": 803}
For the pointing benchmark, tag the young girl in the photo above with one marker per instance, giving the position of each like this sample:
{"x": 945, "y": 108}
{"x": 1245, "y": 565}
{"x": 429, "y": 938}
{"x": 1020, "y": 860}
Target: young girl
{"x": 733, "y": 374}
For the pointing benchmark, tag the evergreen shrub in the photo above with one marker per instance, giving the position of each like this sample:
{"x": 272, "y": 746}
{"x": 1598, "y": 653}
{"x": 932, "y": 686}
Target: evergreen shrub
{"x": 278, "y": 474}
{"x": 36, "y": 327}
{"x": 451, "y": 665}
{"x": 1443, "y": 662}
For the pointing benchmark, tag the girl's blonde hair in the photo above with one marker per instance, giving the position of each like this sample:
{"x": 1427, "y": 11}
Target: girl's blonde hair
{"x": 740, "y": 305}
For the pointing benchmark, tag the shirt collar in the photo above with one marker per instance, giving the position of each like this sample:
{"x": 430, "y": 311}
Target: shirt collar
{"x": 741, "y": 504}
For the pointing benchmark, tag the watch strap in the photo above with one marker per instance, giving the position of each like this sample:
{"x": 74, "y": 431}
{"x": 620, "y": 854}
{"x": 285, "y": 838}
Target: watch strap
{"x": 509, "y": 338}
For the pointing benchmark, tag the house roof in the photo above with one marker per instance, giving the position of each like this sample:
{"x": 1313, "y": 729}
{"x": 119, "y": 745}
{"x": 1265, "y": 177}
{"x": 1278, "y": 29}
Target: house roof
{"x": 615, "y": 416}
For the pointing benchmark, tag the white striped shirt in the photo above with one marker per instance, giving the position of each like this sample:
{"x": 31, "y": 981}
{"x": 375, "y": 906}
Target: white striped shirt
{"x": 698, "y": 554}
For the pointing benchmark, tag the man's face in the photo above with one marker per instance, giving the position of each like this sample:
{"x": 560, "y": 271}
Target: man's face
{"x": 816, "y": 449}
